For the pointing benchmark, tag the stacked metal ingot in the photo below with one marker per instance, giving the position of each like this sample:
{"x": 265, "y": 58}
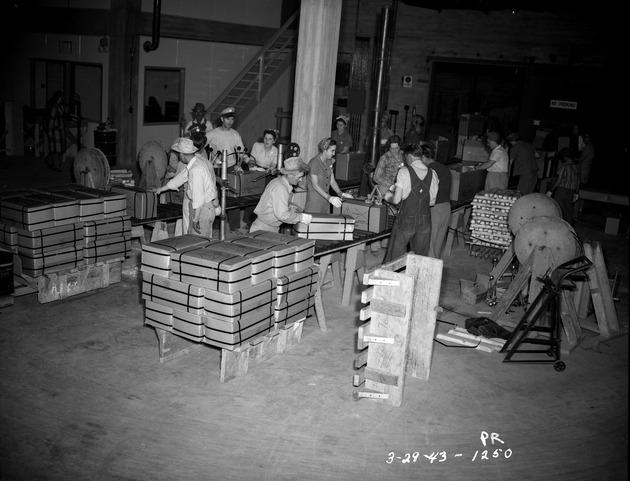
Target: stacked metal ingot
{"x": 489, "y": 221}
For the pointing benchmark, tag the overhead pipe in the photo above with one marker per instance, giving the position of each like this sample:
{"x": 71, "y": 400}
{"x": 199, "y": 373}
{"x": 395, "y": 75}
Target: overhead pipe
{"x": 155, "y": 36}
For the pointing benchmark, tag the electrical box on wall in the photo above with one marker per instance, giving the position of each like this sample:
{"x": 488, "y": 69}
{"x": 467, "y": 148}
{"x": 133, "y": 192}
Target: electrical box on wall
{"x": 407, "y": 81}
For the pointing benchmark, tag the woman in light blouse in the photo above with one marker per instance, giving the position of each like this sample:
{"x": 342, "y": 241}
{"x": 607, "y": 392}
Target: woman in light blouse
{"x": 265, "y": 153}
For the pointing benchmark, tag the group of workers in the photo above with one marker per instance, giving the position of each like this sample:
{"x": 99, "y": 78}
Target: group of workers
{"x": 407, "y": 175}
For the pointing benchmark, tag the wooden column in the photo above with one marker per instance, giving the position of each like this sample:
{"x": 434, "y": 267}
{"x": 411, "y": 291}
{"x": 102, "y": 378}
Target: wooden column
{"x": 315, "y": 74}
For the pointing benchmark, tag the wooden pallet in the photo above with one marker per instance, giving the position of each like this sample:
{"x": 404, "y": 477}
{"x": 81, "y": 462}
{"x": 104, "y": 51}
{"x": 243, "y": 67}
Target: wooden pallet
{"x": 238, "y": 362}
{"x": 54, "y": 286}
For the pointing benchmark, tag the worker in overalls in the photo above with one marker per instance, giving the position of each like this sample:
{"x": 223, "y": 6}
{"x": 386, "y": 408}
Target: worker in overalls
{"x": 416, "y": 186}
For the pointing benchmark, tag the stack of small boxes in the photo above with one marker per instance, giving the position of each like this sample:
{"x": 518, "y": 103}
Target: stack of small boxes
{"x": 63, "y": 227}
{"x": 489, "y": 221}
{"x": 226, "y": 293}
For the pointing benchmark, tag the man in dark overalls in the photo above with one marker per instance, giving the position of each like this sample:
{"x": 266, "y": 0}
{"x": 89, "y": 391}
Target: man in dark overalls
{"x": 416, "y": 186}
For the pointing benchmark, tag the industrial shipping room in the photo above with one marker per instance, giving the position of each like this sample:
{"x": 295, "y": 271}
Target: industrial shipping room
{"x": 313, "y": 239}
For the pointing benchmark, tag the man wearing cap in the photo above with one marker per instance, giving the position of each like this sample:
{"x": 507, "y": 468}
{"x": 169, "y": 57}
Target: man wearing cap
{"x": 273, "y": 207}
{"x": 524, "y": 164}
{"x": 224, "y": 137}
{"x": 497, "y": 165}
{"x": 201, "y": 204}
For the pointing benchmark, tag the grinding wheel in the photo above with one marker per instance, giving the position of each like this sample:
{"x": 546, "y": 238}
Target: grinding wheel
{"x": 552, "y": 232}
{"x": 530, "y": 206}
{"x": 153, "y": 152}
{"x": 91, "y": 168}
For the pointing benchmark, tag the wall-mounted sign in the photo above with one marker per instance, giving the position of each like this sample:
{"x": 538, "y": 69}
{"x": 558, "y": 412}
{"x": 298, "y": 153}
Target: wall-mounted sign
{"x": 563, "y": 104}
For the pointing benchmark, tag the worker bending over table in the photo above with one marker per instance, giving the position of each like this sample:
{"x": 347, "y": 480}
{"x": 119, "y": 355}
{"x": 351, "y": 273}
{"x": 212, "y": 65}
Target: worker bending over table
{"x": 417, "y": 187}
{"x": 273, "y": 208}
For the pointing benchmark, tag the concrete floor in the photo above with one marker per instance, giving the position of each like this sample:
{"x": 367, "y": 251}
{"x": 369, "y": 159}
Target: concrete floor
{"x": 84, "y": 396}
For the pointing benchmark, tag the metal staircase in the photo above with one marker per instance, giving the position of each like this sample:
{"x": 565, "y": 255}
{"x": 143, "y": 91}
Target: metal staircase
{"x": 257, "y": 77}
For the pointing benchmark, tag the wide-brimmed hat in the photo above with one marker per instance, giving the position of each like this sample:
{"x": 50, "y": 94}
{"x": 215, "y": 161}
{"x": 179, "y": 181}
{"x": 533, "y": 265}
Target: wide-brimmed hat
{"x": 229, "y": 112}
{"x": 184, "y": 145}
{"x": 294, "y": 165}
{"x": 199, "y": 107}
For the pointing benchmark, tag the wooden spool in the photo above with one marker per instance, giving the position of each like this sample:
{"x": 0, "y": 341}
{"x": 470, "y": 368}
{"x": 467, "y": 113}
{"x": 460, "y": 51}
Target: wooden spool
{"x": 552, "y": 232}
{"x": 91, "y": 168}
{"x": 529, "y": 206}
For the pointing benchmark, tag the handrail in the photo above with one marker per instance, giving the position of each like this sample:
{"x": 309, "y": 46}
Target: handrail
{"x": 258, "y": 57}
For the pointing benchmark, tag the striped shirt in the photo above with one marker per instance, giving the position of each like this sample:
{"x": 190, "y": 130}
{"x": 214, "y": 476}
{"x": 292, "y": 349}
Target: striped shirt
{"x": 568, "y": 177}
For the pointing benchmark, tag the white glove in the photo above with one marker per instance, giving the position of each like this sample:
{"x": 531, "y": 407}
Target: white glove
{"x": 217, "y": 210}
{"x": 346, "y": 196}
{"x": 306, "y": 219}
{"x": 576, "y": 197}
{"x": 548, "y": 194}
{"x": 335, "y": 201}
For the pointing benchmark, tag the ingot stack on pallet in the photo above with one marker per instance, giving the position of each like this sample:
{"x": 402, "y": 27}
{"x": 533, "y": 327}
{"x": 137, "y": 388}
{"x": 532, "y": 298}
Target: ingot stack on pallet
{"x": 224, "y": 293}
{"x": 62, "y": 227}
{"x": 489, "y": 220}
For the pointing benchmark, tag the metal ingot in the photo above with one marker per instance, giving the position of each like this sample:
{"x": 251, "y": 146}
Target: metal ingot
{"x": 551, "y": 232}
{"x": 530, "y": 206}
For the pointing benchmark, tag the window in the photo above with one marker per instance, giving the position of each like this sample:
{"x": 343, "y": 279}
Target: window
{"x": 163, "y": 94}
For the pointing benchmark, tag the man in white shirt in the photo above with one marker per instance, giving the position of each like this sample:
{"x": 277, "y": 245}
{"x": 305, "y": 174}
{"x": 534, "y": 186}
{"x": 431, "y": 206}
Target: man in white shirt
{"x": 224, "y": 137}
{"x": 201, "y": 205}
{"x": 416, "y": 187}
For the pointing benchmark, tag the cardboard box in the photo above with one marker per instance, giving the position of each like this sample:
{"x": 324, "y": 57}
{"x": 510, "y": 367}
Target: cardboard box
{"x": 169, "y": 292}
{"x": 157, "y": 256}
{"x": 261, "y": 259}
{"x": 471, "y": 292}
{"x": 283, "y": 254}
{"x": 470, "y": 125}
{"x": 213, "y": 270}
{"x": 49, "y": 239}
{"x": 9, "y": 237}
{"x": 326, "y": 227}
{"x": 290, "y": 312}
{"x": 228, "y": 335}
{"x": 247, "y": 183}
{"x": 188, "y": 325}
{"x": 349, "y": 166}
{"x": 39, "y": 263}
{"x": 475, "y": 151}
{"x": 297, "y": 285}
{"x": 65, "y": 210}
{"x": 94, "y": 230}
{"x": 368, "y": 216}
{"x": 90, "y": 207}
{"x": 27, "y": 214}
{"x": 106, "y": 249}
{"x": 305, "y": 248}
{"x": 140, "y": 203}
{"x": 466, "y": 184}
{"x": 158, "y": 315}
{"x": 257, "y": 300}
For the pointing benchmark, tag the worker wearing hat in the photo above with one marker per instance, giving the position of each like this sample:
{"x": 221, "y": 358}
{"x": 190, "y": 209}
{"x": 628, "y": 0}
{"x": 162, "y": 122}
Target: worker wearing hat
{"x": 342, "y": 136}
{"x": 199, "y": 122}
{"x": 497, "y": 164}
{"x": 225, "y": 138}
{"x": 201, "y": 204}
{"x": 273, "y": 208}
